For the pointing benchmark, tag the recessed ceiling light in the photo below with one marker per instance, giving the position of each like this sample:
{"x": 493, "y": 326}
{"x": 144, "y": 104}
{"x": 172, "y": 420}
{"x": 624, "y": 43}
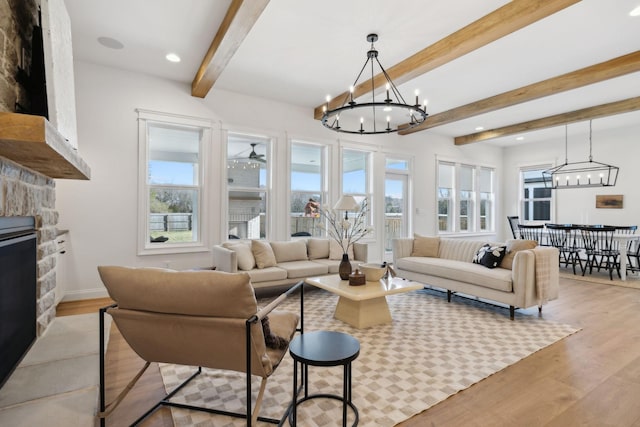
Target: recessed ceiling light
{"x": 520, "y": 138}
{"x": 172, "y": 57}
{"x": 479, "y": 128}
{"x": 110, "y": 43}
{"x": 635, "y": 12}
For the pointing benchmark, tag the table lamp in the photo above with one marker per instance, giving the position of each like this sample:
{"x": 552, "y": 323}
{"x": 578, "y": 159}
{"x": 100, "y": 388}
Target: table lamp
{"x": 346, "y": 203}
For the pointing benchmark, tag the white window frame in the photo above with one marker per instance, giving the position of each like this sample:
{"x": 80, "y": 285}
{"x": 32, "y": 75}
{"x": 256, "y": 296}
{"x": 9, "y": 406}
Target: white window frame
{"x": 454, "y": 219}
{"x": 324, "y": 173}
{"x": 201, "y": 244}
{"x": 368, "y": 194}
{"x": 522, "y": 200}
{"x": 268, "y": 184}
{"x": 408, "y": 177}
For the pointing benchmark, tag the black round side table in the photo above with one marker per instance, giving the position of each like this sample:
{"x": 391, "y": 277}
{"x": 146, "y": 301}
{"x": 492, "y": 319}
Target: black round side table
{"x": 323, "y": 348}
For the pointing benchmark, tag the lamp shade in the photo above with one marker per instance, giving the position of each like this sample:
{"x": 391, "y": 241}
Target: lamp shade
{"x": 346, "y": 203}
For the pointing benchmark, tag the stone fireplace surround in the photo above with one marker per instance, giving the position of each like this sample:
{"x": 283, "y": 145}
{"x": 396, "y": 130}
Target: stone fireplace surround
{"x": 32, "y": 152}
{"x": 27, "y": 193}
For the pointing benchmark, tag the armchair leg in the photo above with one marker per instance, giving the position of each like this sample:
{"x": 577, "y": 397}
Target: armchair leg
{"x": 256, "y": 409}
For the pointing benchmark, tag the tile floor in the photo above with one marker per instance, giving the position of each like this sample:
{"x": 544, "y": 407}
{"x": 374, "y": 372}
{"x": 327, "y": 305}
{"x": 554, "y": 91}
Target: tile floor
{"x": 56, "y": 383}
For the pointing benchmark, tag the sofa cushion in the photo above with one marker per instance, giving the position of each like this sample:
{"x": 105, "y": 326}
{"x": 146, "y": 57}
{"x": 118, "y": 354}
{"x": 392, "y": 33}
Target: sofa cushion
{"x": 461, "y": 271}
{"x": 244, "y": 256}
{"x": 425, "y": 246}
{"x": 302, "y": 269}
{"x": 459, "y": 249}
{"x": 318, "y": 248}
{"x": 513, "y": 246}
{"x": 334, "y": 265}
{"x": 336, "y": 252}
{"x": 295, "y": 250}
{"x": 263, "y": 254}
{"x": 267, "y": 274}
{"x": 490, "y": 256}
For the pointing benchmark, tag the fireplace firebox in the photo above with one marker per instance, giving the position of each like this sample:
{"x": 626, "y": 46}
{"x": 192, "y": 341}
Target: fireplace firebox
{"x": 18, "y": 252}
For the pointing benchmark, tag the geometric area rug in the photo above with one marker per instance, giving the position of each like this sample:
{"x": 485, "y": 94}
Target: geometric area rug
{"x": 432, "y": 350}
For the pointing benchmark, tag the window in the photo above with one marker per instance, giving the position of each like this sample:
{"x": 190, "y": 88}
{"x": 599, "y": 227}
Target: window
{"x": 247, "y": 183}
{"x": 308, "y": 184}
{"x": 395, "y": 201}
{"x": 486, "y": 199}
{"x": 356, "y": 177}
{"x": 465, "y": 198}
{"x": 171, "y": 182}
{"x": 445, "y": 196}
{"x": 535, "y": 199}
{"x": 466, "y": 207}
{"x": 355, "y": 173}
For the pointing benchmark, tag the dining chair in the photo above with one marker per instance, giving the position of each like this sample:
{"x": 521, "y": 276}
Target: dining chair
{"x": 633, "y": 257}
{"x": 565, "y": 239}
{"x": 513, "y": 224}
{"x": 531, "y": 232}
{"x": 623, "y": 229}
{"x": 600, "y": 250}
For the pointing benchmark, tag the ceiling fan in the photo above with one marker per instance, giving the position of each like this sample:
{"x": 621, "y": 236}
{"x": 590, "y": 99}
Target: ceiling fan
{"x": 252, "y": 157}
{"x": 255, "y": 156}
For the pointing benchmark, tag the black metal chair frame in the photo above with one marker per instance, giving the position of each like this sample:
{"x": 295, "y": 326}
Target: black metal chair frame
{"x": 105, "y": 408}
{"x": 513, "y": 224}
{"x": 531, "y": 232}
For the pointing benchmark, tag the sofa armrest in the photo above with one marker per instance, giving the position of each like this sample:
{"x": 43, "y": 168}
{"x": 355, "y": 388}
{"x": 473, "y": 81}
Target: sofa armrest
{"x": 361, "y": 252}
{"x": 224, "y": 259}
{"x": 402, "y": 247}
{"x": 524, "y": 276}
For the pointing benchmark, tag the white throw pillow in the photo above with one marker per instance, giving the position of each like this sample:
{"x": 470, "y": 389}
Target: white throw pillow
{"x": 263, "y": 254}
{"x": 244, "y": 256}
{"x": 295, "y": 250}
{"x": 318, "y": 248}
{"x": 336, "y": 252}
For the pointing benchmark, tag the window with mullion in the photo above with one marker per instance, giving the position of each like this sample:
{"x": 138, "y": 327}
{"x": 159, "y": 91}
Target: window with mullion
{"x": 171, "y": 182}
{"x": 356, "y": 176}
{"x": 308, "y": 187}
{"x": 465, "y": 198}
{"x": 248, "y": 170}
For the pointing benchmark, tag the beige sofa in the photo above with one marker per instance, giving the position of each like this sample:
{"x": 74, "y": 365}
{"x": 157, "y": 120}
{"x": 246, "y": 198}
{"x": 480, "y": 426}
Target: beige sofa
{"x": 280, "y": 263}
{"x": 527, "y": 276}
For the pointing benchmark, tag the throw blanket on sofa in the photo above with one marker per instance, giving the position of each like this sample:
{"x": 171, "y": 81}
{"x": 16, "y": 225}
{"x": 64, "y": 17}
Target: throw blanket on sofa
{"x": 543, "y": 273}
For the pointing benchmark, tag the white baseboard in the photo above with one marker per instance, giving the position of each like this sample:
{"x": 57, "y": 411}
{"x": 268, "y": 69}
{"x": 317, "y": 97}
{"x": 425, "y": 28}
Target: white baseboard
{"x": 85, "y": 294}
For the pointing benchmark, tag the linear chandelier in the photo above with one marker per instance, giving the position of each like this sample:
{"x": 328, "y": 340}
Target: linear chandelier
{"x": 371, "y": 116}
{"x": 580, "y": 174}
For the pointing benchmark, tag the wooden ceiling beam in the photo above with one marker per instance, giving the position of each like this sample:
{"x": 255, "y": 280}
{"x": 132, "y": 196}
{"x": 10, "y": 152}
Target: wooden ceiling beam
{"x": 240, "y": 18}
{"x": 505, "y": 20}
{"x": 604, "y": 110}
{"x": 616, "y": 67}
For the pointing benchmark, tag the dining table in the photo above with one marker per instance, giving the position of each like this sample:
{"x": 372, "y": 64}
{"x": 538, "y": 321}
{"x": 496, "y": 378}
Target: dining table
{"x": 623, "y": 240}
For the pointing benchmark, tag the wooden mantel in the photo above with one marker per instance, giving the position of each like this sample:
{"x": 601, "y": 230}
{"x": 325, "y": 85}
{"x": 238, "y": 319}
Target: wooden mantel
{"x": 34, "y": 143}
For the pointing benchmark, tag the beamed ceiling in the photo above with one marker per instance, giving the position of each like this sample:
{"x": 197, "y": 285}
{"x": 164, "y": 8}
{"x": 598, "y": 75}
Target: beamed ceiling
{"x": 520, "y": 68}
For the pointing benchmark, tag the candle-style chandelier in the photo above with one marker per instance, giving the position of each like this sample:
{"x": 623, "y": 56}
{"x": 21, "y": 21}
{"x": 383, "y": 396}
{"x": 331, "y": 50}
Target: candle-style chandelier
{"x": 371, "y": 116}
{"x": 580, "y": 174}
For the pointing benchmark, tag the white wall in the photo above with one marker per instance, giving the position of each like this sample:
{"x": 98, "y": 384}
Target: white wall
{"x": 101, "y": 214}
{"x": 618, "y": 147}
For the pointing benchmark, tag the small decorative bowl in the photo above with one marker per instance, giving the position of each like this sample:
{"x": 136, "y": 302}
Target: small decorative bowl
{"x": 372, "y": 271}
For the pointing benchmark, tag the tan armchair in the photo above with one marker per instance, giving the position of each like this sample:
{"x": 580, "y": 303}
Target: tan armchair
{"x": 196, "y": 318}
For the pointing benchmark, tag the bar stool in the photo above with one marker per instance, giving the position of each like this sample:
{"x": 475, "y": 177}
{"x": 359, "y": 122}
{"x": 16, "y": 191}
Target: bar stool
{"x": 323, "y": 348}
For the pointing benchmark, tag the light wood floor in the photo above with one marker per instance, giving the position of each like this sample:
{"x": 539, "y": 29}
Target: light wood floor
{"x": 591, "y": 378}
